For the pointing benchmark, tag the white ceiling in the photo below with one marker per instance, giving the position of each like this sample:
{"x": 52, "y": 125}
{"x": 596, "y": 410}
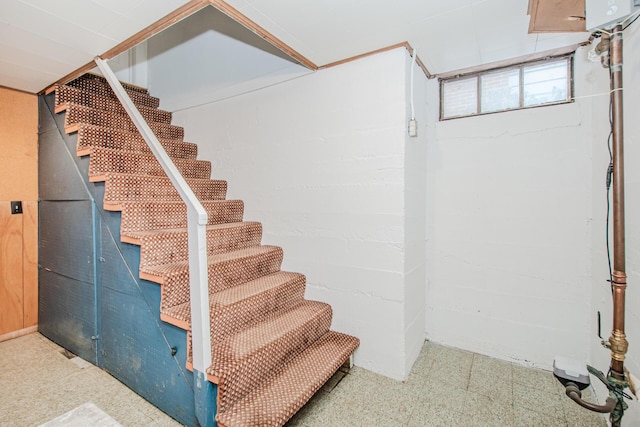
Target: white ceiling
{"x": 43, "y": 40}
{"x": 448, "y": 35}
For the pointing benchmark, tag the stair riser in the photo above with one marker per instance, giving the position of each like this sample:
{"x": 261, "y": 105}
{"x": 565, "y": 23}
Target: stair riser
{"x": 67, "y": 94}
{"x": 173, "y": 247}
{"x": 222, "y": 275}
{"x": 95, "y": 136}
{"x": 101, "y": 86}
{"x": 228, "y": 320}
{"x": 155, "y": 216}
{"x": 123, "y": 188}
{"x": 79, "y": 114}
{"x": 102, "y": 162}
{"x": 276, "y": 354}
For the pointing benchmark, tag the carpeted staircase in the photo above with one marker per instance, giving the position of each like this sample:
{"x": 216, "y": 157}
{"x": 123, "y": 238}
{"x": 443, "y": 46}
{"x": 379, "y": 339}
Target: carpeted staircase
{"x": 271, "y": 348}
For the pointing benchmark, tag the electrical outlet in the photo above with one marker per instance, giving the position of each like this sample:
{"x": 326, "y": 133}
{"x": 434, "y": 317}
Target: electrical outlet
{"x": 413, "y": 128}
{"x": 16, "y": 207}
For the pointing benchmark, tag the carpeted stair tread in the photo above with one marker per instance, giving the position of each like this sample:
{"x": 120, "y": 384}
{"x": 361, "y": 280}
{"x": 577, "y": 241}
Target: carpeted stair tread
{"x": 282, "y": 326}
{"x": 249, "y": 357}
{"x": 225, "y": 270}
{"x": 255, "y": 287}
{"x": 70, "y": 91}
{"x": 90, "y": 136}
{"x": 95, "y": 78}
{"x": 276, "y": 401}
{"x": 241, "y": 306}
{"x": 169, "y": 246}
{"x": 126, "y": 187}
{"x": 76, "y": 114}
{"x": 98, "y": 84}
{"x": 106, "y": 160}
{"x": 151, "y": 215}
{"x": 273, "y": 403}
{"x": 73, "y": 95}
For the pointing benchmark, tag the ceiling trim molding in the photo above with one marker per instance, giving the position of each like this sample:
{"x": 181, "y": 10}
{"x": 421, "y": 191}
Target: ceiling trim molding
{"x": 236, "y": 15}
{"x": 512, "y": 61}
{"x": 405, "y": 45}
{"x": 153, "y": 29}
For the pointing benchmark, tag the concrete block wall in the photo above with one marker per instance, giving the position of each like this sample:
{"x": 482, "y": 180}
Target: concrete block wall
{"x": 321, "y": 162}
{"x": 415, "y": 179}
{"x": 509, "y": 205}
{"x": 509, "y": 209}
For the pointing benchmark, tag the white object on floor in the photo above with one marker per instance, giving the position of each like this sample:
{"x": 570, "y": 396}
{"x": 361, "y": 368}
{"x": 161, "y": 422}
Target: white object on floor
{"x": 84, "y": 415}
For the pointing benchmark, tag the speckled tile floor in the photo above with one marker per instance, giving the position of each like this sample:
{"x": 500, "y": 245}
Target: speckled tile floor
{"x": 447, "y": 387}
{"x": 39, "y": 383}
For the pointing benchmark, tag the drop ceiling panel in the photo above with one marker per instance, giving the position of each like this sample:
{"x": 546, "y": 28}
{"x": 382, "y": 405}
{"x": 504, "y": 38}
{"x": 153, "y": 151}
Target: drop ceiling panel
{"x": 121, "y": 7}
{"x": 31, "y": 60}
{"x": 44, "y": 40}
{"x": 149, "y": 11}
{"x": 443, "y": 47}
{"x": 500, "y": 30}
{"x": 119, "y": 29}
{"x": 24, "y": 78}
{"x": 46, "y": 25}
{"x": 46, "y": 47}
{"x": 77, "y": 13}
{"x": 549, "y": 42}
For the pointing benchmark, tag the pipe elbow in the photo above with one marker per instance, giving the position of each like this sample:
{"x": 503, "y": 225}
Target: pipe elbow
{"x": 574, "y": 394}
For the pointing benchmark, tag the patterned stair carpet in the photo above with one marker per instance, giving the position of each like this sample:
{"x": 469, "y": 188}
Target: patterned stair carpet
{"x": 271, "y": 348}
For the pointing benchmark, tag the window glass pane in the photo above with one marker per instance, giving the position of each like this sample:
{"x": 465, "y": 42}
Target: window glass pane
{"x": 545, "y": 83}
{"x": 459, "y": 97}
{"x": 500, "y": 90}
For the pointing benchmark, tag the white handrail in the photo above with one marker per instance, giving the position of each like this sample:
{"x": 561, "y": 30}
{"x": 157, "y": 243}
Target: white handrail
{"x": 197, "y": 232}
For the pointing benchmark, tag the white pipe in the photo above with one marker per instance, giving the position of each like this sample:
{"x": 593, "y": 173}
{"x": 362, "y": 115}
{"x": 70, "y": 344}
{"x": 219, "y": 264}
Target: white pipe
{"x": 197, "y": 228}
{"x": 413, "y": 65}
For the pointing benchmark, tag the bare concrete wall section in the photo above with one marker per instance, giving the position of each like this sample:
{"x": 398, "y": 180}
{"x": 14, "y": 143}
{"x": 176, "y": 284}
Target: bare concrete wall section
{"x": 509, "y": 211}
{"x": 320, "y": 161}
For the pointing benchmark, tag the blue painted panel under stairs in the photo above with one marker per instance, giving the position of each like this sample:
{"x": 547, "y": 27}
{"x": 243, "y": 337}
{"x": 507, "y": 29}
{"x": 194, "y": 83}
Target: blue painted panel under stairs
{"x": 113, "y": 305}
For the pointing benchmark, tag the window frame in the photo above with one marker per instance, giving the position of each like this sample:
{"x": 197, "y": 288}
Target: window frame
{"x": 520, "y": 67}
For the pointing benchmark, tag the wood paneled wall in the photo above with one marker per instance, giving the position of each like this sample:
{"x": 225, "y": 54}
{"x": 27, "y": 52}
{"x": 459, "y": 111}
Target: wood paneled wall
{"x": 18, "y": 232}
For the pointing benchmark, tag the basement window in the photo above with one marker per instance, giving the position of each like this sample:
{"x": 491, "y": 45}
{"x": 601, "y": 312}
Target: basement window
{"x": 532, "y": 84}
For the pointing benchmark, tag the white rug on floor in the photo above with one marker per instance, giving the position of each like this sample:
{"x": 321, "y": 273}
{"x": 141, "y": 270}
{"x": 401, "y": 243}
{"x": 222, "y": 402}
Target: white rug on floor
{"x": 83, "y": 416}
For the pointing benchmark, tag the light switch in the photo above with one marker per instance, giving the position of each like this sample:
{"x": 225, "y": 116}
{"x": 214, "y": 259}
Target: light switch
{"x": 16, "y": 207}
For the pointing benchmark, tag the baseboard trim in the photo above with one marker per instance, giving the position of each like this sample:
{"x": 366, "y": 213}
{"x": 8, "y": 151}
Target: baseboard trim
{"x": 18, "y": 333}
